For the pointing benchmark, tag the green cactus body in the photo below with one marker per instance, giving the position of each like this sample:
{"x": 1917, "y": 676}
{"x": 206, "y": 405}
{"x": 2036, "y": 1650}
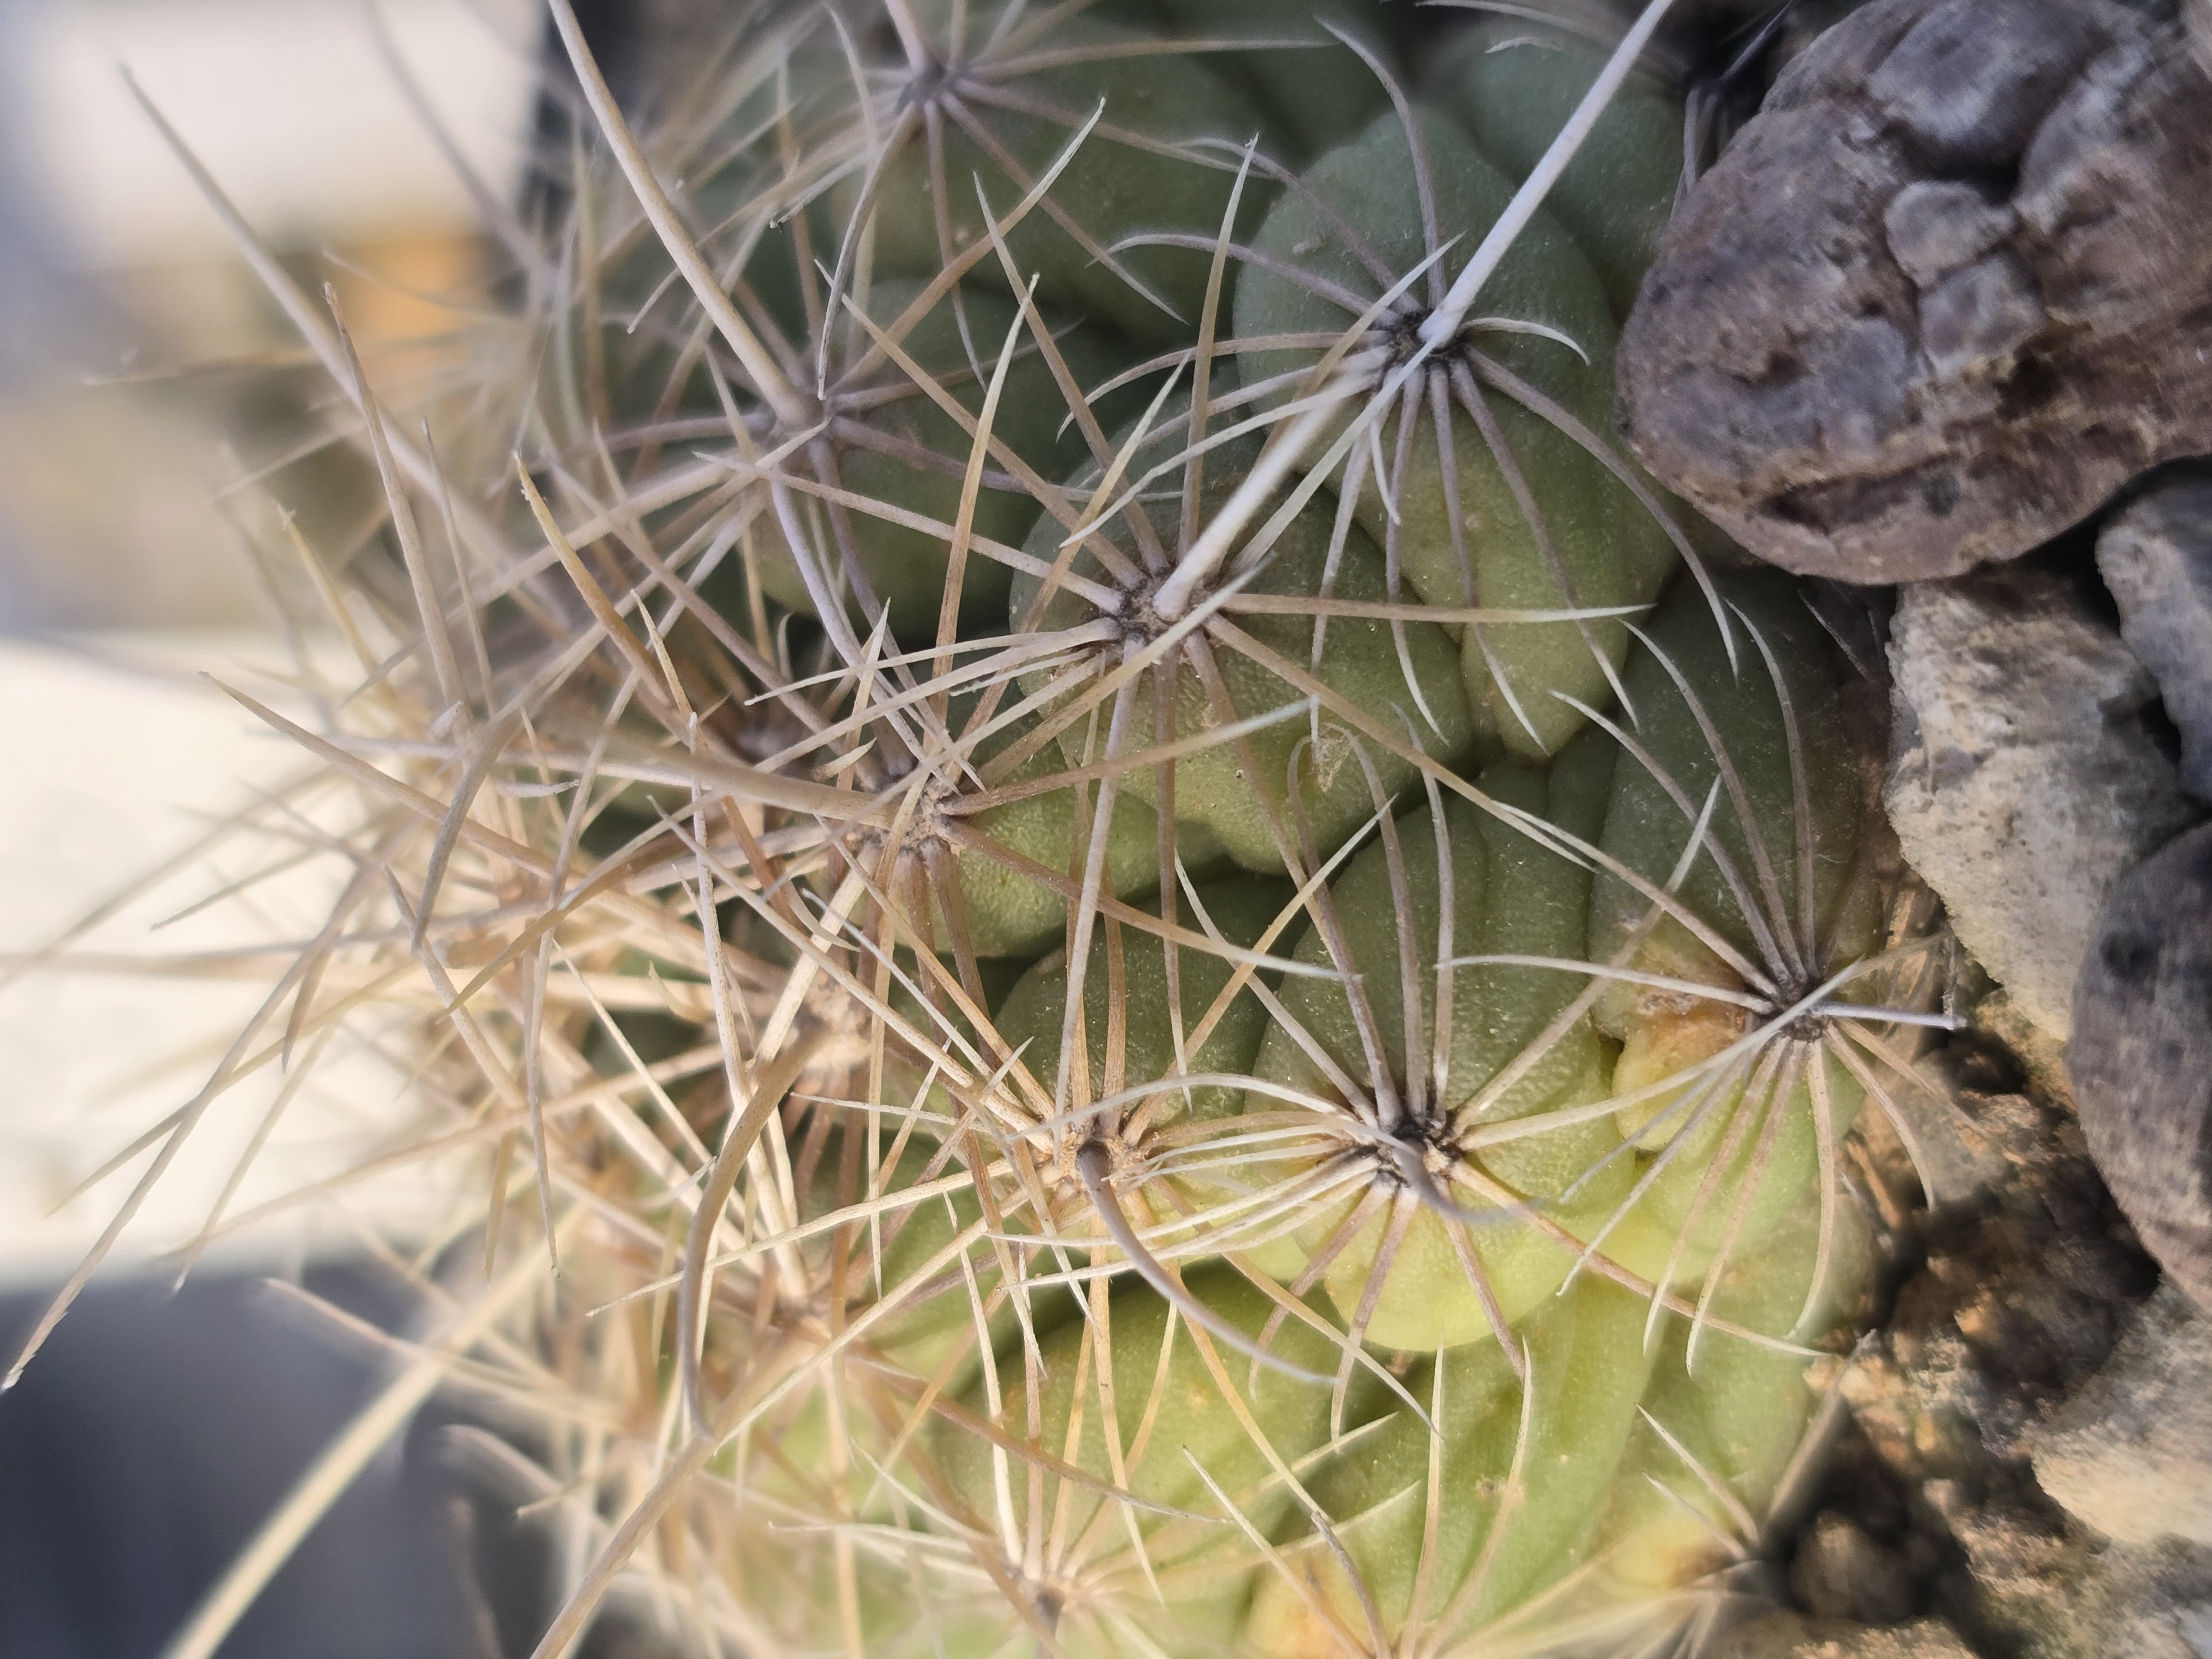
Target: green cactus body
{"x": 1219, "y": 1090}
{"x": 1005, "y": 103}
{"x": 1482, "y": 500}
{"x": 1136, "y": 1400}
{"x": 1645, "y": 824}
{"x": 934, "y": 1329}
{"x": 1779, "y": 899}
{"x": 1508, "y": 895}
{"x": 1734, "y": 1414}
{"x": 1584, "y": 1497}
{"x": 1320, "y": 95}
{"x": 1521, "y": 1473}
{"x": 1136, "y": 998}
{"x": 1005, "y": 910}
{"x": 1511, "y": 896}
{"x": 913, "y": 1066}
{"x": 1516, "y": 83}
{"x": 991, "y": 882}
{"x": 891, "y": 443}
{"x": 1399, "y": 674}
{"x": 645, "y": 356}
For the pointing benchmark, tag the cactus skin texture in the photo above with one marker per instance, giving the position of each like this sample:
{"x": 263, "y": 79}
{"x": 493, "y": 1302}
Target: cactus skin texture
{"x": 1167, "y": 975}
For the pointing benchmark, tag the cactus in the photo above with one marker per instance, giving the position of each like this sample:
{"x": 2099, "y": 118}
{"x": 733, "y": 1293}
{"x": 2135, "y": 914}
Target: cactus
{"x": 1072, "y": 862}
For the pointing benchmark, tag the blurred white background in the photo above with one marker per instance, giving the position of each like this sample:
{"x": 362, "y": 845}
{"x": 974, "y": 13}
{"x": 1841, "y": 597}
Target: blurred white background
{"x": 159, "y": 1427}
{"x": 132, "y": 341}
{"x": 113, "y": 268}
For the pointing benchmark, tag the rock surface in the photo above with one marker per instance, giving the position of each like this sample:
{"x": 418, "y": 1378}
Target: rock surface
{"x": 2046, "y": 1592}
{"x": 2156, "y": 558}
{"x": 2023, "y": 779}
{"x": 1786, "y": 1636}
{"x": 2142, "y": 1056}
{"x": 1943, "y": 296}
{"x": 2131, "y": 1455}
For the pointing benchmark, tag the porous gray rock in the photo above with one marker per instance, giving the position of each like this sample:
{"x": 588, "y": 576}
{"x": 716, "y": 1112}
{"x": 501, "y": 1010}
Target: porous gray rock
{"x": 1944, "y": 296}
{"x": 2156, "y": 558}
{"x": 2140, "y": 1058}
{"x": 2131, "y": 1453}
{"x": 2023, "y": 779}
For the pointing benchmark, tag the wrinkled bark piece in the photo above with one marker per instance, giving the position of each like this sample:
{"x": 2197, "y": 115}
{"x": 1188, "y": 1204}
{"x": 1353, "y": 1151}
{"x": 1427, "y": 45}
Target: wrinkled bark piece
{"x": 1949, "y": 290}
{"x": 2141, "y": 1056}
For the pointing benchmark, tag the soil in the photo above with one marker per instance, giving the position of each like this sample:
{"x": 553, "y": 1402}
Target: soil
{"x": 1928, "y": 1525}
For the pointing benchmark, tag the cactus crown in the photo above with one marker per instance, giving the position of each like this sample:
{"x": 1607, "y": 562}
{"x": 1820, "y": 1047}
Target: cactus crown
{"x": 1134, "y": 919}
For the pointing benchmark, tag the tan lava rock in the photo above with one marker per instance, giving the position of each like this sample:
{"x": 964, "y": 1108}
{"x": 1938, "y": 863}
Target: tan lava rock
{"x": 2131, "y": 1454}
{"x": 2023, "y": 781}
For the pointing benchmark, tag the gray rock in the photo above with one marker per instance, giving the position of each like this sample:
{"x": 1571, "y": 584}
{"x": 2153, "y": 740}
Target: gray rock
{"x": 2022, "y": 781}
{"x": 1980, "y": 316}
{"x": 2131, "y": 1454}
{"x": 2156, "y": 558}
{"x": 2054, "y": 1593}
{"x": 1786, "y": 1636}
{"x": 1969, "y": 82}
{"x": 2142, "y": 1056}
{"x": 1937, "y": 226}
{"x": 1944, "y": 296}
